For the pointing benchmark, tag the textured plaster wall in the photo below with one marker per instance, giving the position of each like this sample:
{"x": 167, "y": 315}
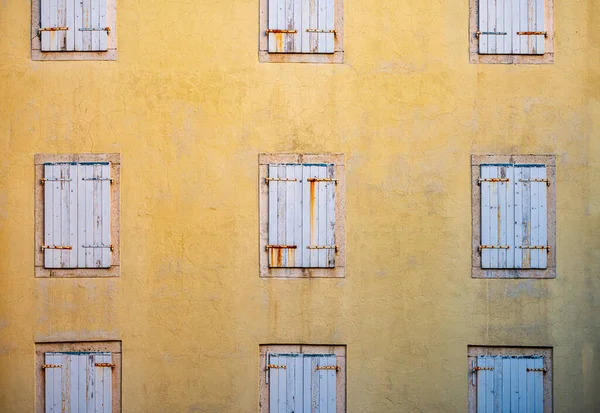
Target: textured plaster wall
{"x": 189, "y": 108}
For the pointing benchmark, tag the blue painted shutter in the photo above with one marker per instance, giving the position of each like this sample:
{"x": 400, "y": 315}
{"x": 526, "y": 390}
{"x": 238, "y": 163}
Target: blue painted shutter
{"x": 57, "y": 15}
{"x": 75, "y": 384}
{"x": 93, "y": 215}
{"x": 285, "y": 383}
{"x": 301, "y": 216}
{"x": 503, "y": 25}
{"x": 508, "y": 387}
{"x": 60, "y": 215}
{"x": 91, "y": 22}
{"x": 319, "y": 385}
{"x": 530, "y": 216}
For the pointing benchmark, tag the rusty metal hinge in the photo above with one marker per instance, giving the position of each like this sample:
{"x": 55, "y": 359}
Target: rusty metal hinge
{"x": 100, "y": 29}
{"x": 494, "y": 247}
{"x": 479, "y": 181}
{"x": 536, "y": 180}
{"x": 51, "y": 366}
{"x": 321, "y": 247}
{"x": 280, "y": 31}
{"x": 478, "y": 33}
{"x": 334, "y": 32}
{"x": 535, "y": 247}
{"x": 545, "y": 34}
{"x": 99, "y": 246}
{"x": 56, "y": 247}
{"x": 336, "y": 368}
{"x": 267, "y": 180}
{"x": 322, "y": 180}
{"x": 268, "y": 247}
{"x": 111, "y": 365}
{"x": 275, "y": 366}
{"x": 542, "y": 369}
{"x": 483, "y": 368}
{"x": 52, "y": 29}
{"x": 54, "y": 180}
{"x": 98, "y": 179}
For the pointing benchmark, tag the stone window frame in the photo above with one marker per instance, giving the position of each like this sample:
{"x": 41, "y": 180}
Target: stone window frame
{"x": 263, "y": 44}
{"x": 475, "y": 57}
{"x": 339, "y": 271}
{"x": 476, "y": 270}
{"x": 545, "y": 352}
{"x": 114, "y": 347}
{"x": 36, "y": 44}
{"x": 115, "y": 213}
{"x": 338, "y": 349}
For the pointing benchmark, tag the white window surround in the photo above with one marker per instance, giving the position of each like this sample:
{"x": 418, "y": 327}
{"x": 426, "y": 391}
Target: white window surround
{"x": 550, "y": 162}
{"x": 340, "y": 373}
{"x": 476, "y": 57}
{"x": 338, "y": 39}
{"x": 338, "y": 270}
{"x": 36, "y": 44}
{"x": 39, "y": 258}
{"x": 545, "y": 373}
{"x": 112, "y": 347}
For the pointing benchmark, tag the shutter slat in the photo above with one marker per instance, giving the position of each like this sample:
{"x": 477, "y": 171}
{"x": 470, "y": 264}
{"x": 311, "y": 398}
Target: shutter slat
{"x": 486, "y": 258}
{"x": 506, "y": 383}
{"x": 305, "y": 24}
{"x": 331, "y": 385}
{"x": 281, "y": 216}
{"x": 306, "y": 217}
{"x": 81, "y": 383}
{"x": 329, "y": 25}
{"x": 273, "y": 384}
{"x": 105, "y": 239}
{"x": 534, "y": 214}
{"x": 519, "y": 188}
{"x": 494, "y": 218}
{"x": 543, "y": 217}
{"x": 492, "y": 26}
{"x": 522, "y": 394}
{"x": 540, "y": 26}
{"x": 290, "y": 216}
{"x": 273, "y": 219}
{"x": 321, "y": 216}
{"x": 483, "y": 26}
{"x": 313, "y": 21}
{"x": 298, "y": 230}
{"x": 330, "y": 238}
{"x": 509, "y": 218}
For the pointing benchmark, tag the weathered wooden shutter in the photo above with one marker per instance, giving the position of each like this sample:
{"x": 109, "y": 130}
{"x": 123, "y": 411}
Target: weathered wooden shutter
{"x": 531, "y": 236}
{"x": 301, "y": 216}
{"x": 78, "y": 382}
{"x": 91, "y": 25}
{"x": 57, "y": 19}
{"x": 510, "y": 384}
{"x": 497, "y": 216}
{"x": 60, "y": 215}
{"x": 94, "y": 248}
{"x": 319, "y": 383}
{"x": 301, "y": 26}
{"x": 302, "y": 383}
{"x": 511, "y": 26}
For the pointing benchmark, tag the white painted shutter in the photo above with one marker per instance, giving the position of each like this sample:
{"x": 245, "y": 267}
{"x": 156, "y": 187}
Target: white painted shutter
{"x": 302, "y": 215}
{"x": 504, "y": 24}
{"x": 497, "y": 216}
{"x": 530, "y": 216}
{"x": 60, "y": 215}
{"x": 55, "y": 17}
{"x": 78, "y": 385}
{"x": 285, "y": 384}
{"x": 312, "y": 20}
{"x": 319, "y": 385}
{"x": 94, "y": 215}
{"x": 508, "y": 386}
{"x": 91, "y": 22}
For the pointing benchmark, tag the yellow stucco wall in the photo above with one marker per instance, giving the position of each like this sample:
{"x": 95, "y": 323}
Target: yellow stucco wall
{"x": 189, "y": 108}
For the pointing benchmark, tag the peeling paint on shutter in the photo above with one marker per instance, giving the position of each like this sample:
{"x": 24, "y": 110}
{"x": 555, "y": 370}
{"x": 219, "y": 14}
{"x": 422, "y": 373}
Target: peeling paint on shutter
{"x": 91, "y": 23}
{"x": 285, "y": 384}
{"x": 504, "y": 384}
{"x": 94, "y": 216}
{"x": 53, "y": 383}
{"x": 507, "y": 27}
{"x": 57, "y": 25}
{"x": 319, "y": 384}
{"x": 60, "y": 215}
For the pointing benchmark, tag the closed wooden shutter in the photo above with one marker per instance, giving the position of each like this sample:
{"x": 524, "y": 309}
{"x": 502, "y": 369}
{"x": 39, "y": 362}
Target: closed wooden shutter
{"x": 531, "y": 216}
{"x": 94, "y": 215}
{"x": 301, "y": 26}
{"x": 297, "y": 384}
{"x": 57, "y": 19}
{"x": 504, "y": 384}
{"x": 511, "y": 27}
{"x": 60, "y": 215}
{"x": 91, "y": 23}
{"x": 301, "y": 216}
{"x": 76, "y": 383}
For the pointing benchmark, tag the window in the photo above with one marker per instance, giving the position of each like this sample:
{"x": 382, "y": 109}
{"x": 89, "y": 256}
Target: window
{"x": 77, "y": 215}
{"x": 510, "y": 379}
{"x": 514, "y": 210}
{"x": 73, "y": 30}
{"x": 78, "y": 377}
{"x": 302, "y": 378}
{"x": 301, "y": 31}
{"x": 301, "y": 215}
{"x": 511, "y": 31}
